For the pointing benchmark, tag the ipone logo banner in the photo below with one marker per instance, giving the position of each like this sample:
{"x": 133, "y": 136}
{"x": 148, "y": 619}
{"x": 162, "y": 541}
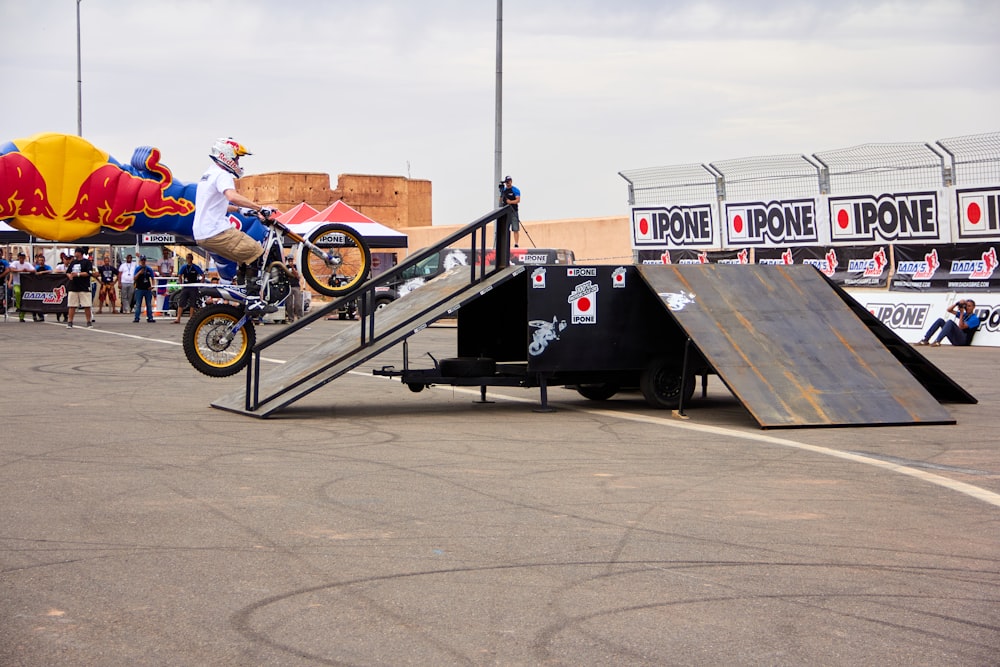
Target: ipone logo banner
{"x": 784, "y": 222}
{"x": 887, "y": 217}
{"x": 978, "y": 213}
{"x": 680, "y": 226}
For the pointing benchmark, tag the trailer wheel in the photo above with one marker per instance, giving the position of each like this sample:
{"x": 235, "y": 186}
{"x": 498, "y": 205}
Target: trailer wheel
{"x": 661, "y": 385}
{"x": 598, "y": 391}
{"x": 468, "y": 367}
{"x": 416, "y": 387}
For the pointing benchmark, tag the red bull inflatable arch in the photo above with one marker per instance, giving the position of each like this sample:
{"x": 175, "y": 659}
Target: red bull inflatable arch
{"x": 61, "y": 188}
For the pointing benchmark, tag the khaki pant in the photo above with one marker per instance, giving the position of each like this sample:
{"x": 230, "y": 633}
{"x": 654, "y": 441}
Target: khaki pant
{"x": 233, "y": 245}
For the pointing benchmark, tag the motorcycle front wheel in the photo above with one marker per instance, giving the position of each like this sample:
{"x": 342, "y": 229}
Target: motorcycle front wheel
{"x": 351, "y": 260}
{"x": 211, "y": 345}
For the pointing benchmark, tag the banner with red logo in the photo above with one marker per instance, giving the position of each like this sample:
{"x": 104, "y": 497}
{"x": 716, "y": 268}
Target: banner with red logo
{"x": 849, "y": 266}
{"x": 961, "y": 267}
{"x": 44, "y": 292}
{"x": 695, "y": 256}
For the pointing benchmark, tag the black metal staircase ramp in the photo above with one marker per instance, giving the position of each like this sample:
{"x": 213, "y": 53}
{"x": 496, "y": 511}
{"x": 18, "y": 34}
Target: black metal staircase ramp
{"x": 270, "y": 389}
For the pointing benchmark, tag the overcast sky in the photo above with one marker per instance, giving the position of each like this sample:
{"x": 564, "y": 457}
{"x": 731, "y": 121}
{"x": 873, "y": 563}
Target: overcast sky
{"x": 590, "y": 88}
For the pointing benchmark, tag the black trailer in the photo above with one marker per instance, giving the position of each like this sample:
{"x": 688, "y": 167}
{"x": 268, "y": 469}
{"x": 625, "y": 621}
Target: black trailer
{"x": 598, "y": 329}
{"x": 788, "y": 344}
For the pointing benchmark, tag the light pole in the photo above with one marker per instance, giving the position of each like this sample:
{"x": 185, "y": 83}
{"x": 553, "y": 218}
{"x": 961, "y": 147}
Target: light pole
{"x": 79, "y": 77}
{"x": 498, "y": 138}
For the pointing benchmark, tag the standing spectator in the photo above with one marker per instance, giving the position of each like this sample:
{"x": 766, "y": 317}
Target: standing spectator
{"x": 80, "y": 272}
{"x": 188, "y": 297}
{"x": 126, "y": 274}
{"x": 16, "y": 269}
{"x": 144, "y": 279}
{"x": 511, "y": 196}
{"x": 165, "y": 269}
{"x": 4, "y": 273}
{"x": 293, "y": 306}
{"x": 40, "y": 267}
{"x": 108, "y": 276}
{"x": 62, "y": 267}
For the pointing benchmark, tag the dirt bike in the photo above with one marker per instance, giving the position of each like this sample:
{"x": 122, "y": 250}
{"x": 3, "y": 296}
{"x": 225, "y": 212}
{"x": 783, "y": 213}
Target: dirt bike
{"x": 219, "y": 338}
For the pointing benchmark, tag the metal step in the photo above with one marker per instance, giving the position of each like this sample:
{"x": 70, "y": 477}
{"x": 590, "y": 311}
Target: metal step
{"x": 332, "y": 358}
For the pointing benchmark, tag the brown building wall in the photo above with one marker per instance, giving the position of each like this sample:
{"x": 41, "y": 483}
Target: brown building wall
{"x": 394, "y": 201}
{"x": 592, "y": 240}
{"x": 405, "y": 204}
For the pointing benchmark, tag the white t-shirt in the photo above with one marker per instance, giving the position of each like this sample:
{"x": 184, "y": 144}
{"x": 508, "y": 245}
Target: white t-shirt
{"x": 210, "y": 203}
{"x": 126, "y": 272}
{"x": 19, "y": 267}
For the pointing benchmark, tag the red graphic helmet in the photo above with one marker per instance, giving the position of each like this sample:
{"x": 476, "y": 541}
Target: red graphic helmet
{"x": 227, "y": 153}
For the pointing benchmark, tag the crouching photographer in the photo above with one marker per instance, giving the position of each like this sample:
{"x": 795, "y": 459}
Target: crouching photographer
{"x": 958, "y": 331}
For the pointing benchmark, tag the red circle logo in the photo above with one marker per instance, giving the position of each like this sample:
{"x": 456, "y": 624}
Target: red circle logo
{"x": 644, "y": 226}
{"x": 583, "y": 304}
{"x": 843, "y": 218}
{"x": 974, "y": 214}
{"x": 738, "y": 224}
{"x": 538, "y": 278}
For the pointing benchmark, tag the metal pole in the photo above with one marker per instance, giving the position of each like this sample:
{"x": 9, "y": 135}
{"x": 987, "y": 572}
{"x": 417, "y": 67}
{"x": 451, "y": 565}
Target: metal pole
{"x": 498, "y": 139}
{"x": 79, "y": 77}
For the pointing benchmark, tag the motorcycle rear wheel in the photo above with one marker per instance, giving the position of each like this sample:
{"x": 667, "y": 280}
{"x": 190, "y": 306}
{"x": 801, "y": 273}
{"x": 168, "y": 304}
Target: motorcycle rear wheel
{"x": 207, "y": 343}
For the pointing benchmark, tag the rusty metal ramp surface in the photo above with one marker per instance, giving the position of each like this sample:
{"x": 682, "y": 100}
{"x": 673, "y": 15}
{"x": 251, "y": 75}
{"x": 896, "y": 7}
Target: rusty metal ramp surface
{"x": 331, "y": 358}
{"x": 789, "y": 348}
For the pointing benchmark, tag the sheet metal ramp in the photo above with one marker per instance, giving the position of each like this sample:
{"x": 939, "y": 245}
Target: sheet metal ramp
{"x": 328, "y": 360}
{"x": 794, "y": 352}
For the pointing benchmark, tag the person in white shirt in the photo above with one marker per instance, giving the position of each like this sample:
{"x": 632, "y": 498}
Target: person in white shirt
{"x": 16, "y": 269}
{"x": 211, "y": 228}
{"x": 126, "y": 275}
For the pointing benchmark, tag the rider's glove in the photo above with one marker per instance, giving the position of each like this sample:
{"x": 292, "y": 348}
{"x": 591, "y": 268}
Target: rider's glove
{"x": 248, "y": 212}
{"x": 266, "y": 212}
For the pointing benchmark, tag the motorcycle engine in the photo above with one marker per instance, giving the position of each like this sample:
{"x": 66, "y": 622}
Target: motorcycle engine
{"x": 278, "y": 286}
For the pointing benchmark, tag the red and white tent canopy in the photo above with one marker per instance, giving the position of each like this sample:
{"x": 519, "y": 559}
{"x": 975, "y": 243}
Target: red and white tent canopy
{"x": 298, "y": 213}
{"x": 376, "y": 234}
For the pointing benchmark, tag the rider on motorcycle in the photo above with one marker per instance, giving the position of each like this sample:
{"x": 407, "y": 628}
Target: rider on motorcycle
{"x": 215, "y": 195}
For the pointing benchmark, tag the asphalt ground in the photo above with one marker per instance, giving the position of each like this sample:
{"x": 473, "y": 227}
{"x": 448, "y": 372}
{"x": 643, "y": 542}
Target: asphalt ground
{"x": 369, "y": 525}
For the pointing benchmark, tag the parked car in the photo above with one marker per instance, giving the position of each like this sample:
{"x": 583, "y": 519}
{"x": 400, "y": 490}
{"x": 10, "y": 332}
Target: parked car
{"x": 431, "y": 267}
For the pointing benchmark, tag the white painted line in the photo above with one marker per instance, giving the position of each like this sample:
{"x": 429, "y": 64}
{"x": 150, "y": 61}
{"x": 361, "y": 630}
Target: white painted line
{"x": 146, "y": 338}
{"x": 970, "y": 490}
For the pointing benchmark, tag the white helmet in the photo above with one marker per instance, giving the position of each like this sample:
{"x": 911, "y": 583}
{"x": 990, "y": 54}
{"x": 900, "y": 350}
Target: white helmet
{"x": 226, "y": 152}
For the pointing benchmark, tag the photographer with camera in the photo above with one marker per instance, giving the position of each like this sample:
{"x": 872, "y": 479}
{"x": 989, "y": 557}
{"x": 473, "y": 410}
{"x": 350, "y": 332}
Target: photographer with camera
{"x": 958, "y": 332}
{"x": 511, "y": 196}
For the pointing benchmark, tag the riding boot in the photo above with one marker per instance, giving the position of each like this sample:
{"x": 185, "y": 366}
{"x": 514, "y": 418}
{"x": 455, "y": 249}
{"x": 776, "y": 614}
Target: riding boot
{"x": 255, "y": 305}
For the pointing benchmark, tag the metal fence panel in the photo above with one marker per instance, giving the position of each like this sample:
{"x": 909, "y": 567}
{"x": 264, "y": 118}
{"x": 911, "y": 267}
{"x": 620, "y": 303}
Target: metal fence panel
{"x": 678, "y": 184}
{"x": 773, "y": 176}
{"x": 975, "y": 158}
{"x": 883, "y": 167}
